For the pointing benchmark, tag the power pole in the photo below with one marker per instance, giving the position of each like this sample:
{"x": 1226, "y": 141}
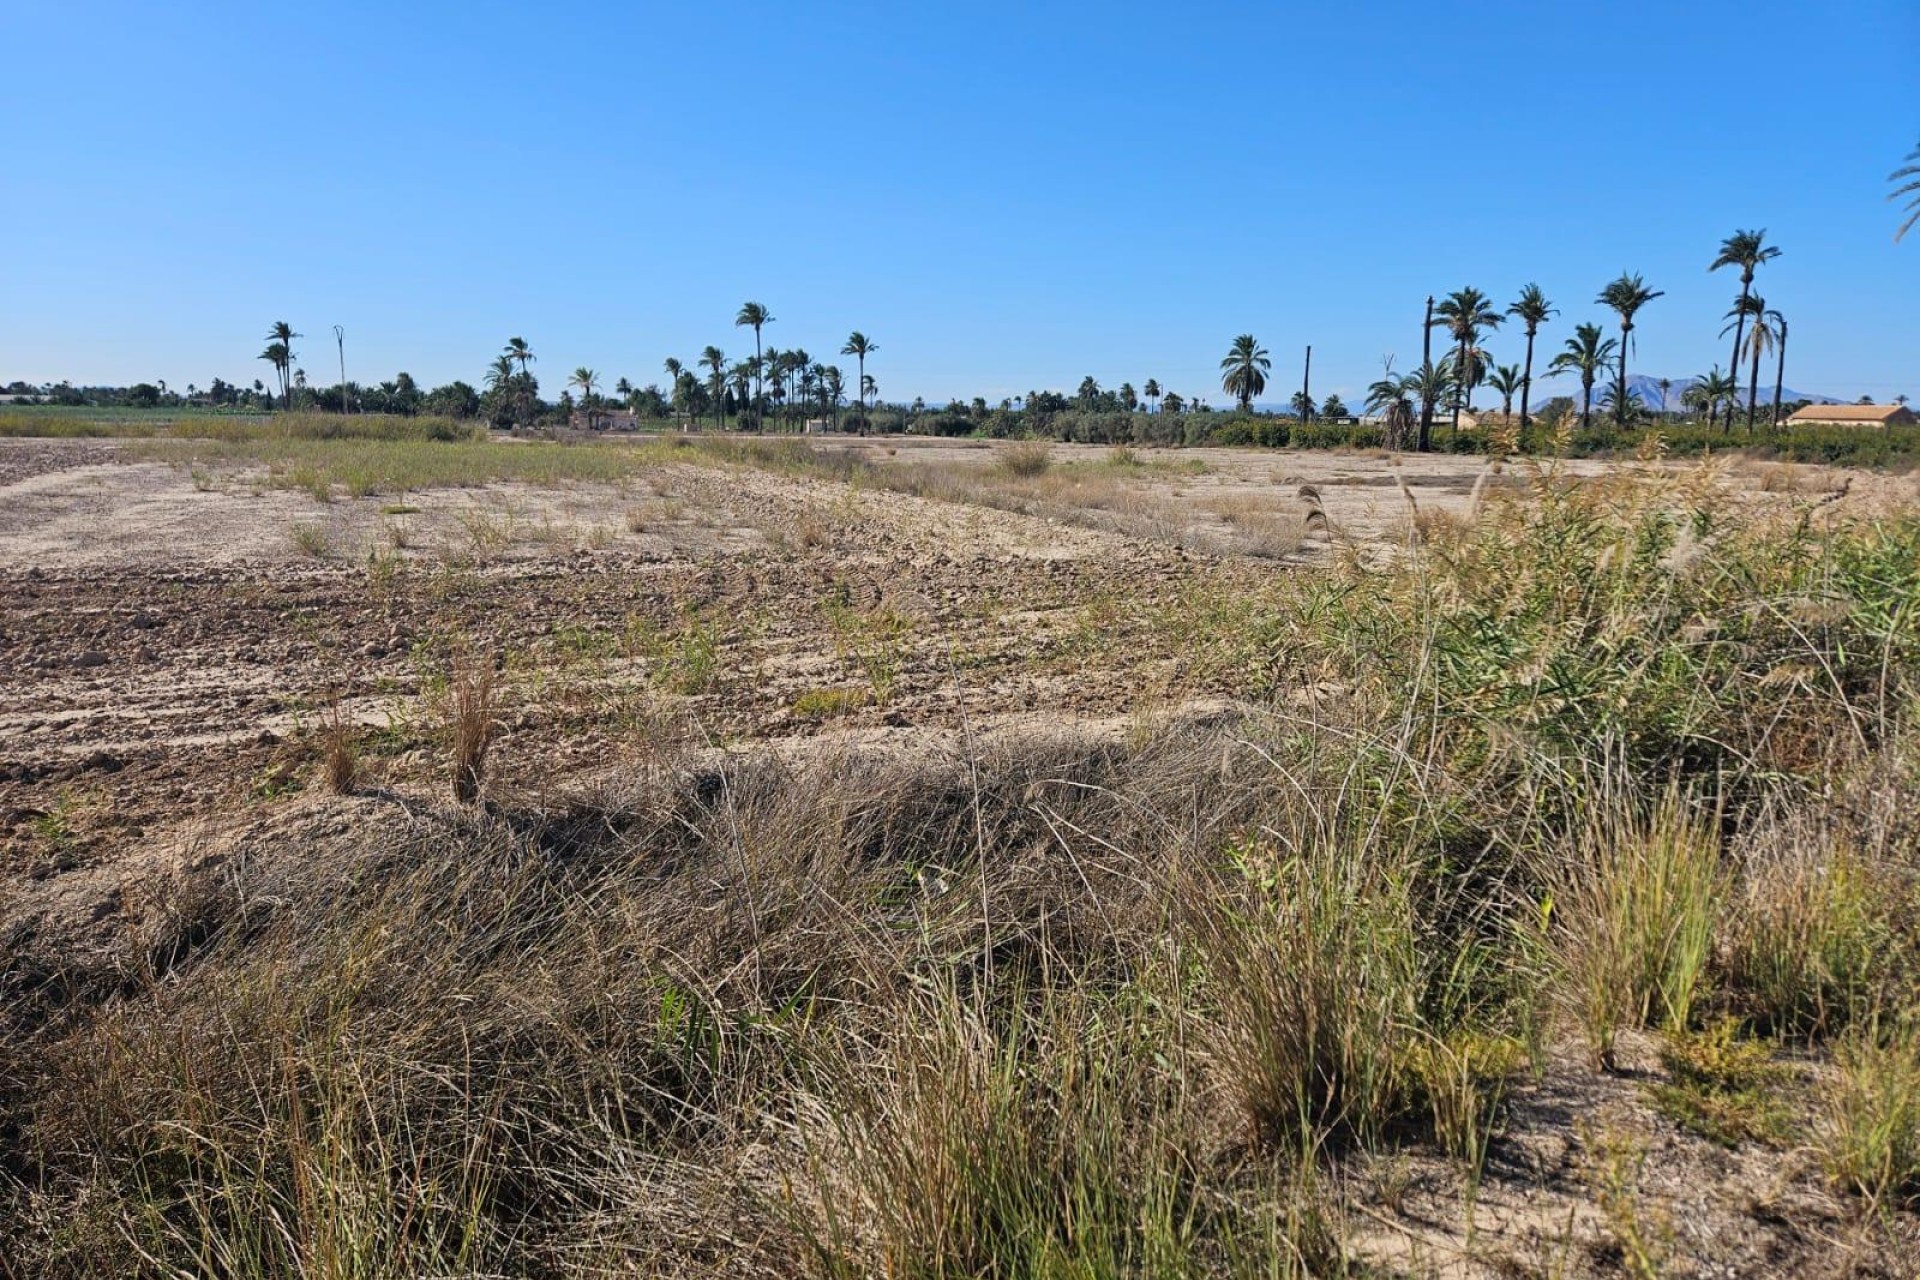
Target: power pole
{"x": 1306, "y": 380}
{"x": 1426, "y": 367}
{"x": 340, "y": 341}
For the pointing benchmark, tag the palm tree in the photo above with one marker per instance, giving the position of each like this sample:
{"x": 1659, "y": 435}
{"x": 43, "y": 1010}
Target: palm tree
{"x": 1780, "y": 366}
{"x": 517, "y": 349}
{"x": 1430, "y": 384}
{"x": 1759, "y": 341}
{"x": 1532, "y": 310}
{"x": 1129, "y": 398}
{"x": 1713, "y": 390}
{"x": 1506, "y": 379}
{"x": 1391, "y": 399}
{"x": 277, "y": 355}
{"x": 742, "y": 377}
{"x": 1245, "y": 370}
{"x": 1747, "y": 250}
{"x": 1152, "y": 392}
{"x": 1464, "y": 313}
{"x": 716, "y": 363}
{"x": 859, "y": 346}
{"x": 1625, "y": 296}
{"x": 752, "y": 313}
{"x": 283, "y": 335}
{"x": 1303, "y": 406}
{"x": 588, "y": 382}
{"x": 1908, "y": 175}
{"x": 1666, "y": 385}
{"x": 833, "y": 389}
{"x": 1623, "y": 400}
{"x": 1587, "y": 354}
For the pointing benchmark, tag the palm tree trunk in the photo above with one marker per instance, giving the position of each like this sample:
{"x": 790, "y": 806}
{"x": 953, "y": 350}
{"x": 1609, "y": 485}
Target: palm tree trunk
{"x": 1739, "y": 330}
{"x": 1459, "y": 385}
{"x": 1753, "y": 387}
{"x": 1306, "y": 382}
{"x": 1586, "y": 404}
{"x": 1780, "y": 374}
{"x": 1620, "y": 405}
{"x": 1426, "y": 361}
{"x": 1526, "y": 385}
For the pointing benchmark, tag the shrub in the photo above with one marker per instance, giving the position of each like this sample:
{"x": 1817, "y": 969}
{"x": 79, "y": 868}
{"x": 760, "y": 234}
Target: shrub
{"x": 1026, "y": 459}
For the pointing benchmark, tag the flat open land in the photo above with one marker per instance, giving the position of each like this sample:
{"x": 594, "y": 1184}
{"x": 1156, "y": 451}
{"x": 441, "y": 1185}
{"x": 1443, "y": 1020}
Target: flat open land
{"x": 168, "y": 637}
{"x": 1019, "y": 636}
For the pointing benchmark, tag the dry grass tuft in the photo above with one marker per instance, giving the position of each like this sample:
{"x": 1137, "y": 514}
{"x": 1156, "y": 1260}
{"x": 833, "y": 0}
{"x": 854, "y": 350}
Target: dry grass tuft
{"x": 471, "y": 725}
{"x": 1025, "y": 460}
{"x": 340, "y": 754}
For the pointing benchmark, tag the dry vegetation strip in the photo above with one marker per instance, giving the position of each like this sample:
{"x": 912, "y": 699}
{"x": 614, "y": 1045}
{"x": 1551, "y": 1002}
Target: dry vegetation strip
{"x": 1603, "y": 762}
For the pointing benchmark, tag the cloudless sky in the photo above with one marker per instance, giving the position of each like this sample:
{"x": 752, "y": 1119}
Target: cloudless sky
{"x": 1002, "y": 196}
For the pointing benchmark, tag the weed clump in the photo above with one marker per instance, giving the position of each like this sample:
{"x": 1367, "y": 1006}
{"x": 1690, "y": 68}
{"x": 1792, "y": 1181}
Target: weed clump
{"x": 471, "y": 723}
{"x": 1025, "y": 460}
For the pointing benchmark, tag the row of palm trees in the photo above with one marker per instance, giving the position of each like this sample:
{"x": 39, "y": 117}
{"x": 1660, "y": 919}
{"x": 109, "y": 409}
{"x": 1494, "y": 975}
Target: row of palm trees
{"x": 799, "y": 381}
{"x": 1467, "y": 315}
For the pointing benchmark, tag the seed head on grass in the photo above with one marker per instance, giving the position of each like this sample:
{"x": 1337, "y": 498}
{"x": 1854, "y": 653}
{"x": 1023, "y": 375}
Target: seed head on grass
{"x": 341, "y": 757}
{"x": 472, "y": 724}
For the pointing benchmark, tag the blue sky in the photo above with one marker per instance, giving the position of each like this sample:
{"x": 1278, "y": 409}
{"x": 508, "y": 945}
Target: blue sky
{"x": 1003, "y": 196}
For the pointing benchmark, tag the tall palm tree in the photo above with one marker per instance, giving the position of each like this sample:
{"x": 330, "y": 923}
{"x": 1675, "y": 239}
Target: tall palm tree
{"x": 1666, "y": 385}
{"x": 1506, "y": 379}
{"x": 1532, "y": 310}
{"x": 282, "y": 333}
{"x": 833, "y": 389}
{"x": 1244, "y": 370}
{"x": 753, "y": 313}
{"x": 1749, "y": 251}
{"x": 1464, "y": 313}
{"x": 1152, "y": 392}
{"x": 1759, "y": 341}
{"x": 1625, "y": 296}
{"x": 277, "y": 356}
{"x": 859, "y": 346}
{"x": 1908, "y": 176}
{"x": 716, "y": 364}
{"x": 1780, "y": 365}
{"x": 518, "y": 350}
{"x": 1587, "y": 354}
{"x": 798, "y": 363}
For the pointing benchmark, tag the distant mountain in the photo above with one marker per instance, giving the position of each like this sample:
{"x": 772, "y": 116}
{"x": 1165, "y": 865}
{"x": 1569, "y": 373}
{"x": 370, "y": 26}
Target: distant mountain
{"x": 1648, "y": 389}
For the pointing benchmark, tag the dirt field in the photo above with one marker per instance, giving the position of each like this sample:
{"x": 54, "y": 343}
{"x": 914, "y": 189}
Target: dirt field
{"x": 172, "y": 638}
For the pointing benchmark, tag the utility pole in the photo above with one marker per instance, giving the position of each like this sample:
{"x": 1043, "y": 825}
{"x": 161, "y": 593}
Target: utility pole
{"x": 340, "y": 341}
{"x": 1426, "y": 371}
{"x": 1306, "y": 380}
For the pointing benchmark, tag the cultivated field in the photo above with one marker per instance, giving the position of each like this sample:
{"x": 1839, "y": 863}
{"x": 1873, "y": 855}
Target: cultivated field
{"x": 940, "y": 859}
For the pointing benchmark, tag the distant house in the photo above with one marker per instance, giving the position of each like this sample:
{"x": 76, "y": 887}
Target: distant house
{"x": 1852, "y": 415}
{"x": 603, "y": 420}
